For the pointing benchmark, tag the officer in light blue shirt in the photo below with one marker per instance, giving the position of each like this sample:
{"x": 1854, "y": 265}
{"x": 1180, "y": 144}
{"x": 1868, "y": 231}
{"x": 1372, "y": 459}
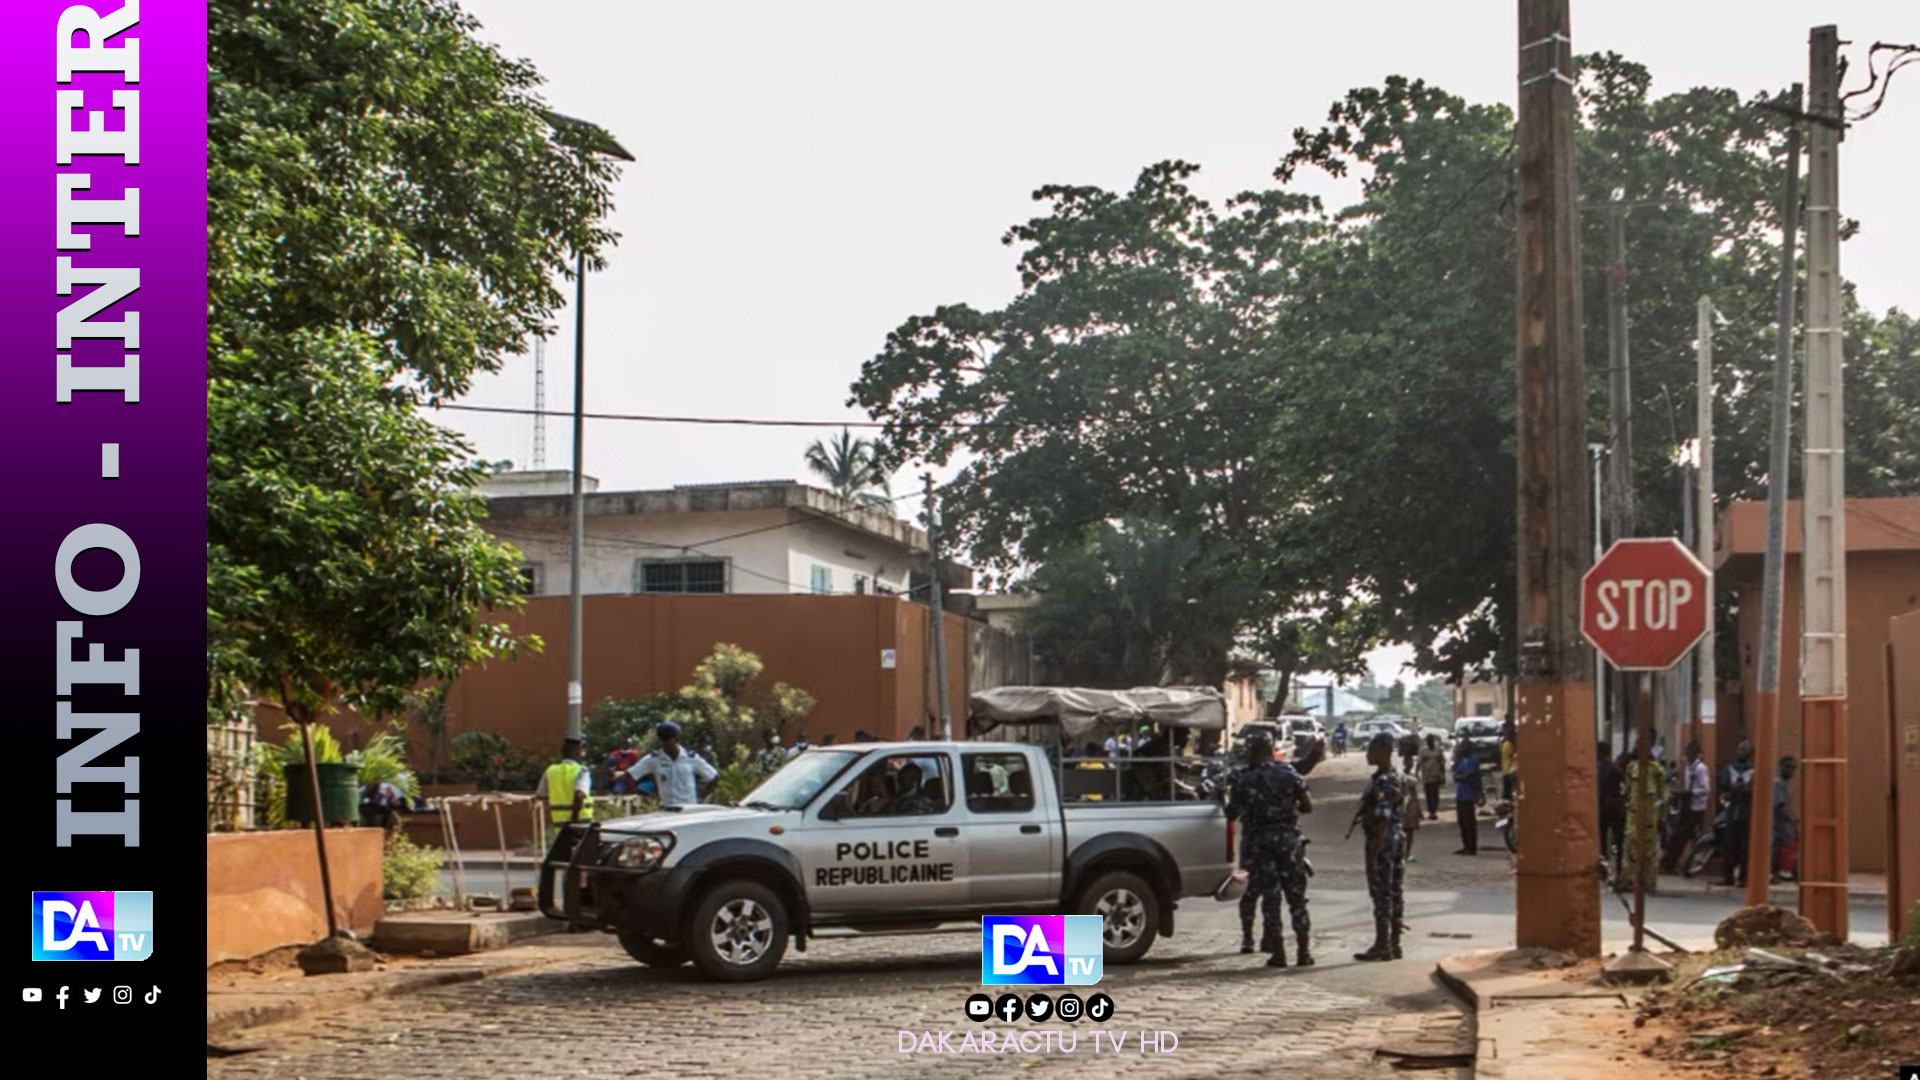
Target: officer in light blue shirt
{"x": 682, "y": 776}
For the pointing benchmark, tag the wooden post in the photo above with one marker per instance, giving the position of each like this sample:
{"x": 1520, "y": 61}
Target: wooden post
{"x": 1557, "y": 905}
{"x": 319, "y": 828}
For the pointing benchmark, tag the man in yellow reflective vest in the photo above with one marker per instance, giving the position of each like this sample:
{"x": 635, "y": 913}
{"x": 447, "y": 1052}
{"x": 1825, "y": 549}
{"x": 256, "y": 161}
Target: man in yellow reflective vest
{"x": 569, "y": 774}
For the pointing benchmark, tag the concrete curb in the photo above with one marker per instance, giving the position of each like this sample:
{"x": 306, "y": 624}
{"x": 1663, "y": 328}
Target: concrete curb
{"x": 257, "y": 1010}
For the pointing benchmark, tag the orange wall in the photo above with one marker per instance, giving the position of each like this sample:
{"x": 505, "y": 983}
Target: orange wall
{"x": 1880, "y": 585}
{"x": 829, "y": 646}
{"x": 1903, "y": 812}
{"x": 263, "y": 889}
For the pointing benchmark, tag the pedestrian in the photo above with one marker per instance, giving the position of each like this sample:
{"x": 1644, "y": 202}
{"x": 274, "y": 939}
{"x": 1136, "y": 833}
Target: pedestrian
{"x": 1432, "y": 767}
{"x": 1786, "y": 830}
{"x": 683, "y": 776}
{"x": 1509, "y": 748}
{"x": 1410, "y": 812}
{"x": 620, "y": 762}
{"x": 1409, "y": 747}
{"x": 800, "y": 743}
{"x": 381, "y": 803}
{"x": 1643, "y": 796}
{"x": 772, "y": 758}
{"x": 1340, "y": 739}
{"x": 1379, "y": 815}
{"x": 1466, "y": 797}
{"x": 1736, "y": 782}
{"x": 568, "y": 775}
{"x": 825, "y": 740}
{"x": 1692, "y": 795}
{"x": 1267, "y": 798}
{"x": 1612, "y": 785}
{"x": 918, "y": 734}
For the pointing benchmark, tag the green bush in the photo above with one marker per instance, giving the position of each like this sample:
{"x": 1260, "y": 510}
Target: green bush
{"x": 408, "y": 871}
{"x": 614, "y": 719}
{"x": 489, "y": 760}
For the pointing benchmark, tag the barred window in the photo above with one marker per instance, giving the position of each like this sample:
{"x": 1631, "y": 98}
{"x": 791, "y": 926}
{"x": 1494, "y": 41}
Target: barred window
{"x": 680, "y": 576}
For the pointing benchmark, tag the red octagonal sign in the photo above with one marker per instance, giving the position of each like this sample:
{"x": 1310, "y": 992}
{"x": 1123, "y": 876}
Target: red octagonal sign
{"x": 1644, "y": 604}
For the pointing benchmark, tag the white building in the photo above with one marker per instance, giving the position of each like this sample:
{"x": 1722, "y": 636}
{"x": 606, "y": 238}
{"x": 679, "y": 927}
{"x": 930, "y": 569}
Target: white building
{"x": 767, "y": 537}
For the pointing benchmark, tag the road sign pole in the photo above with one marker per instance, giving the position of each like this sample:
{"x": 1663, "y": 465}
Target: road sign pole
{"x": 1643, "y": 863}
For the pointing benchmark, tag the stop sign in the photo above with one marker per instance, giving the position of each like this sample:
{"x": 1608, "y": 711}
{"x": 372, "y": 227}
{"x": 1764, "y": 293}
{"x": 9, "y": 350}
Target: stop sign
{"x": 1644, "y": 604}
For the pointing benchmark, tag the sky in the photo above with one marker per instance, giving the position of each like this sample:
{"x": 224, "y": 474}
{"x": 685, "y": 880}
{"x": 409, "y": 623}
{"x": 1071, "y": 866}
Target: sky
{"x": 811, "y": 175}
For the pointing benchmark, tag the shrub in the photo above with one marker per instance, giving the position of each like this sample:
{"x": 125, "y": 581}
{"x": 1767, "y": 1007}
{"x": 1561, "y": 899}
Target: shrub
{"x": 408, "y": 871}
{"x": 489, "y": 760}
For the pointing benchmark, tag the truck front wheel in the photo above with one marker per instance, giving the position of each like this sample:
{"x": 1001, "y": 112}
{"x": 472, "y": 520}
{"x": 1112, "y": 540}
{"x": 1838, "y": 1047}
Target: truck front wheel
{"x": 1129, "y": 914}
{"x": 651, "y": 952}
{"x": 738, "y": 931}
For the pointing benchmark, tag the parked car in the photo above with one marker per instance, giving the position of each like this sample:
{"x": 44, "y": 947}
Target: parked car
{"x": 1367, "y": 729}
{"x": 1483, "y": 734}
{"x": 1273, "y": 729}
{"x": 847, "y": 837}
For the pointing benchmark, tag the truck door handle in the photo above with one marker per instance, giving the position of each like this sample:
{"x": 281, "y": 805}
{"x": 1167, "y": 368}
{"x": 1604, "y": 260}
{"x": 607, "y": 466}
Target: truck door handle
{"x": 1030, "y": 829}
{"x": 946, "y": 830}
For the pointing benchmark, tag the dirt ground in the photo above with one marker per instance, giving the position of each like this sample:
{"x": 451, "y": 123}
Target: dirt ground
{"x": 1860, "y": 1025}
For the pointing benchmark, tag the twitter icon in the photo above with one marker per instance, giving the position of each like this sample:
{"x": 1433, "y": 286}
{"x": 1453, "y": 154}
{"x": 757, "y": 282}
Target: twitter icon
{"x": 91, "y": 995}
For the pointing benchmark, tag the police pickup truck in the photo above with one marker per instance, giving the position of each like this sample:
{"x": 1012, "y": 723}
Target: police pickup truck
{"x": 883, "y": 837}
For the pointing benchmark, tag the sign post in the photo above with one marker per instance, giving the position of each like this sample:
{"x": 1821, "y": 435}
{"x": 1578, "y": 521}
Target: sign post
{"x": 1644, "y": 605}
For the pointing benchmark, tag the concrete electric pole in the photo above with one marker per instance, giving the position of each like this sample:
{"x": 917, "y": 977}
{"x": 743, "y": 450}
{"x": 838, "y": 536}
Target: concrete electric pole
{"x": 939, "y": 620}
{"x": 1823, "y": 558}
{"x": 1557, "y": 903}
{"x": 1773, "y": 583}
{"x": 1708, "y": 677}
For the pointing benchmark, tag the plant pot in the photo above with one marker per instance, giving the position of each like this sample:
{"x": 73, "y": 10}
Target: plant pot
{"x": 339, "y": 793}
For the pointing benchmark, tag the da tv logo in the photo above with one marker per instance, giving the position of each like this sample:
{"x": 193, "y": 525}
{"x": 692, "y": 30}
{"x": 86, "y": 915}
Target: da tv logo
{"x": 92, "y": 925}
{"x": 1028, "y": 950}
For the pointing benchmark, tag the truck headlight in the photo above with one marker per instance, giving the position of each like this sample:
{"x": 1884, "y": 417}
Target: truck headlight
{"x": 642, "y": 852}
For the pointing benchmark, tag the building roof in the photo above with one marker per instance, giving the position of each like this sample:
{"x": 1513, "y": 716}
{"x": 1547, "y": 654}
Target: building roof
{"x": 796, "y": 498}
{"x": 1871, "y": 525}
{"x": 1315, "y": 702}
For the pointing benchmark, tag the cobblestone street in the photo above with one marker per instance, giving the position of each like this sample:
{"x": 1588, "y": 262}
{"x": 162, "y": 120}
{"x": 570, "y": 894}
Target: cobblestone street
{"x": 839, "y": 1011}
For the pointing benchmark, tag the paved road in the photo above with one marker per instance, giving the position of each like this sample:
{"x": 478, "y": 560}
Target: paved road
{"x": 840, "y": 1009}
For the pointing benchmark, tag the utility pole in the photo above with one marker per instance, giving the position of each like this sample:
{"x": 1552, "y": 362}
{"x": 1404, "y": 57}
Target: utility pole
{"x": 539, "y": 403}
{"x": 1620, "y": 501}
{"x": 576, "y": 620}
{"x": 939, "y": 629}
{"x": 1556, "y": 901}
{"x": 1704, "y": 519}
{"x": 1680, "y": 686}
{"x": 1602, "y": 718}
{"x": 1823, "y": 643}
{"x": 1767, "y": 681}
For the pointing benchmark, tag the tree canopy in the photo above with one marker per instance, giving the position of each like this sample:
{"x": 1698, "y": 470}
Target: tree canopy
{"x": 389, "y": 207}
{"x": 854, "y": 469}
{"x": 1320, "y": 402}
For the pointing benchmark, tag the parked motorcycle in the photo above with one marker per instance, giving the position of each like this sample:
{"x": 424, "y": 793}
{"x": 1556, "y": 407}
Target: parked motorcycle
{"x": 1504, "y": 823}
{"x": 1710, "y": 842}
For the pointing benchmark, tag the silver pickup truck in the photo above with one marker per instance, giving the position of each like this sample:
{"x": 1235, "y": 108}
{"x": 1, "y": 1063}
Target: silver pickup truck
{"x": 882, "y": 837}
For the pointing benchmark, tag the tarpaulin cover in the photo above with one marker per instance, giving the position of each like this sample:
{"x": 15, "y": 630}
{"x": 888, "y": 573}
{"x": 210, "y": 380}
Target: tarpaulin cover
{"x": 1082, "y": 711}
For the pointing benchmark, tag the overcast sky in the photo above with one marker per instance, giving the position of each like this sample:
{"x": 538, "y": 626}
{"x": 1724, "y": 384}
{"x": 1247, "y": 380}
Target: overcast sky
{"x": 811, "y": 174}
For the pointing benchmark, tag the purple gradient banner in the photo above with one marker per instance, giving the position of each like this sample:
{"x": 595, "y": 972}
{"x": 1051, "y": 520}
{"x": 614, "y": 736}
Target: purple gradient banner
{"x": 103, "y": 267}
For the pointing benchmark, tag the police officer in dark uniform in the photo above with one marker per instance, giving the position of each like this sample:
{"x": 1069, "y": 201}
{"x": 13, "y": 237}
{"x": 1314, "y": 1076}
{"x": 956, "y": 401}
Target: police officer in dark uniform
{"x": 1267, "y": 798}
{"x": 1379, "y": 814}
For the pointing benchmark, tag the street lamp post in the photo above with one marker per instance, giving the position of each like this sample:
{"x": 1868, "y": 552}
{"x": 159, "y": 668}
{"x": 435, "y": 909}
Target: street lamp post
{"x": 588, "y": 139}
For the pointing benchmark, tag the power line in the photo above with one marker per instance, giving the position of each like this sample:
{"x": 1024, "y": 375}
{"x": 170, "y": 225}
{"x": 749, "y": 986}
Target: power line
{"x": 716, "y": 420}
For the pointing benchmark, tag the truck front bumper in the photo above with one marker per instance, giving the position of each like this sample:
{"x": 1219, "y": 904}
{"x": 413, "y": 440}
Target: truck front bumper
{"x": 581, "y": 888}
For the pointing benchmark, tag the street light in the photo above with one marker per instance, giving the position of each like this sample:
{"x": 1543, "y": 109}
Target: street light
{"x": 586, "y": 138}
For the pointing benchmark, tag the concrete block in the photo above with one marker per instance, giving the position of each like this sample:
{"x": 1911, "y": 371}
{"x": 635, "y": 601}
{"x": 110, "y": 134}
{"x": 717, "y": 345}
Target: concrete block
{"x": 458, "y": 933}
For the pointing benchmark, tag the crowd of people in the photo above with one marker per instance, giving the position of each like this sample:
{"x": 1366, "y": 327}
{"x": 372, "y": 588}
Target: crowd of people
{"x": 1650, "y": 824}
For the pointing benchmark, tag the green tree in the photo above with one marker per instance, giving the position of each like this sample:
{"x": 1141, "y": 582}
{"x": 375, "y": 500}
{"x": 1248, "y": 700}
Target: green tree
{"x": 1323, "y": 399}
{"x": 1118, "y": 611}
{"x": 854, "y": 469}
{"x": 388, "y": 208}
{"x": 721, "y": 710}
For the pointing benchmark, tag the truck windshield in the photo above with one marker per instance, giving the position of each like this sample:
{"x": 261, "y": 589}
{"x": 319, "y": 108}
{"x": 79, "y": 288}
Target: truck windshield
{"x": 799, "y": 780}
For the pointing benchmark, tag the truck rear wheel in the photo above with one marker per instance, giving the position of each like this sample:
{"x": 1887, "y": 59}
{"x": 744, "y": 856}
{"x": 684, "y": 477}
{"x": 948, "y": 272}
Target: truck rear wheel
{"x": 1129, "y": 913}
{"x": 651, "y": 952}
{"x": 738, "y": 931}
